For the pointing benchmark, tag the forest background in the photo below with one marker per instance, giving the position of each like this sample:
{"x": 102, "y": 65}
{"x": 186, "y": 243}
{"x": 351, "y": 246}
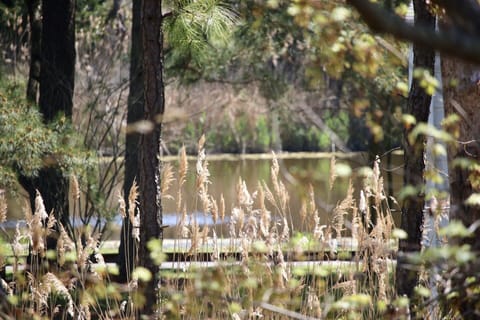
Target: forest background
{"x": 252, "y": 76}
{"x": 267, "y": 89}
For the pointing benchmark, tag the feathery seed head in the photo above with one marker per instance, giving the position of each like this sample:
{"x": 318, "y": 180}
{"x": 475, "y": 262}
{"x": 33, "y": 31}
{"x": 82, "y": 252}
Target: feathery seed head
{"x": 132, "y": 201}
{"x": 167, "y": 178}
{"x": 122, "y": 206}
{"x": 40, "y": 207}
{"x": 75, "y": 188}
{"x": 3, "y": 206}
{"x": 333, "y": 172}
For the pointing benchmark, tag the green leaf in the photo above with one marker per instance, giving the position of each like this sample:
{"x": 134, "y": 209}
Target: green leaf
{"x": 473, "y": 200}
{"x": 408, "y": 192}
{"x": 156, "y": 251}
{"x": 402, "y": 87}
{"x": 439, "y": 150}
{"x": 455, "y": 229}
{"x": 464, "y": 254}
{"x": 463, "y": 163}
{"x": 399, "y": 234}
{"x": 142, "y": 274}
{"x": 409, "y": 120}
{"x": 401, "y": 302}
{"x": 422, "y": 291}
{"x": 234, "y": 307}
{"x": 343, "y": 170}
{"x": 340, "y": 14}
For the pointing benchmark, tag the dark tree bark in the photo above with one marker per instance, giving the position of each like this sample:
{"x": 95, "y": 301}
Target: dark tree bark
{"x": 58, "y": 58}
{"x": 418, "y": 105}
{"x": 462, "y": 100}
{"x": 57, "y": 76}
{"x": 8, "y": 3}
{"x": 135, "y": 113}
{"x": 149, "y": 145}
{"x": 112, "y": 14}
{"x": 56, "y": 98}
{"x": 34, "y": 18}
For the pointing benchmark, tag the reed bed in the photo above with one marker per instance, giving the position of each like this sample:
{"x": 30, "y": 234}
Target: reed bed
{"x": 72, "y": 281}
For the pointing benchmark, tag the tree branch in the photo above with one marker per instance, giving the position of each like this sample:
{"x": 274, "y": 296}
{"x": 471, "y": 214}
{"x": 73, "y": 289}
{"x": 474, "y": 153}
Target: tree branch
{"x": 465, "y": 15}
{"x": 451, "y": 41}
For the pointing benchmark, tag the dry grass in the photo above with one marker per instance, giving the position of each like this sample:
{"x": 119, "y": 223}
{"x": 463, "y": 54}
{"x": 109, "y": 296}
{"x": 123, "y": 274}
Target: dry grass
{"x": 261, "y": 284}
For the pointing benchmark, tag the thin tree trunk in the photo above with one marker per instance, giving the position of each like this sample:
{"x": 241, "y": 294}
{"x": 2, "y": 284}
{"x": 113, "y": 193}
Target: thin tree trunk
{"x": 462, "y": 100}
{"x": 136, "y": 100}
{"x": 33, "y": 7}
{"x": 149, "y": 145}
{"x": 412, "y": 210}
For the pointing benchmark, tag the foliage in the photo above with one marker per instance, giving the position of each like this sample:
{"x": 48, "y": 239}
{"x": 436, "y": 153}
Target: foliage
{"x": 273, "y": 47}
{"x": 297, "y": 136}
{"x": 27, "y": 144}
{"x": 195, "y": 33}
{"x": 247, "y": 133}
{"x": 449, "y": 281}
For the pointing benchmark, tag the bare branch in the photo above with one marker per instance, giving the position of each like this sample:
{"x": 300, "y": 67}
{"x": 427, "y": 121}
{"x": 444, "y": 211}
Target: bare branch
{"x": 451, "y": 41}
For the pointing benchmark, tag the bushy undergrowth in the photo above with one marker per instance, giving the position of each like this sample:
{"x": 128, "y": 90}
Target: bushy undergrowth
{"x": 27, "y": 144}
{"x": 341, "y": 268}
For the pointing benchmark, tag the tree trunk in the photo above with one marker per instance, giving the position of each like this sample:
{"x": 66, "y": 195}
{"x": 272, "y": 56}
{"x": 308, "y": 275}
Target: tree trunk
{"x": 412, "y": 209}
{"x": 462, "y": 99}
{"x": 149, "y": 145}
{"x": 57, "y": 73}
{"x": 56, "y": 93}
{"x": 136, "y": 100}
{"x": 33, "y": 7}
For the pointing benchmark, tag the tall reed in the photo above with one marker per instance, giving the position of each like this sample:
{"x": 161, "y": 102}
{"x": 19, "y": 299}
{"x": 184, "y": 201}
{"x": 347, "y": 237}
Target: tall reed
{"x": 338, "y": 268}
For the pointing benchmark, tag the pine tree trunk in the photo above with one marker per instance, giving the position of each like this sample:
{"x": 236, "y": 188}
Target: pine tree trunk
{"x": 418, "y": 105}
{"x": 136, "y": 100}
{"x": 56, "y": 95}
{"x": 149, "y": 145}
{"x": 57, "y": 72}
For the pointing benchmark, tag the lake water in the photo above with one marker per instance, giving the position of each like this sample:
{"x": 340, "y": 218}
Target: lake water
{"x": 297, "y": 171}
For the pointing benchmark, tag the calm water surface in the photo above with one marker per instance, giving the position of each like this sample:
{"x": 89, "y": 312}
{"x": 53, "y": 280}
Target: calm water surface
{"x": 297, "y": 172}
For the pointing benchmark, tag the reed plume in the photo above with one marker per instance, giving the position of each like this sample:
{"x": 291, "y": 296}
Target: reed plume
{"x": 222, "y": 207}
{"x": 341, "y": 210}
{"x": 35, "y": 225}
{"x": 51, "y": 284}
{"x": 64, "y": 244}
{"x": 167, "y": 180}
{"x": 74, "y": 187}
{"x": 265, "y": 216}
{"x": 3, "y": 207}
{"x": 133, "y": 215}
{"x": 333, "y": 172}
{"x": 182, "y": 176}
{"x": 132, "y": 202}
